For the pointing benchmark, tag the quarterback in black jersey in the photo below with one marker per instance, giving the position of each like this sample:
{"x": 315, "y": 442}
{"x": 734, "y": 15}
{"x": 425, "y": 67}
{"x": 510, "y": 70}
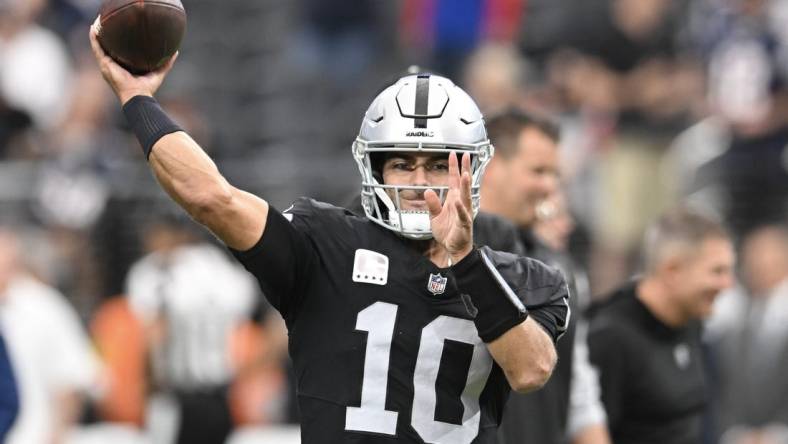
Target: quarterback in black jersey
{"x": 400, "y": 329}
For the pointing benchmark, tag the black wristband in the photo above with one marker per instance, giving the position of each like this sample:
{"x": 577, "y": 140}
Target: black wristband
{"x": 497, "y": 307}
{"x": 148, "y": 121}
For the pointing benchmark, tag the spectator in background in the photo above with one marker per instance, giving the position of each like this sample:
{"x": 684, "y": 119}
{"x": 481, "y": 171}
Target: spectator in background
{"x": 49, "y": 351}
{"x": 191, "y": 299}
{"x": 749, "y": 332}
{"x": 747, "y": 180}
{"x": 623, "y": 76}
{"x": 34, "y": 67}
{"x": 646, "y": 339}
{"x": 499, "y": 77}
{"x": 520, "y": 178}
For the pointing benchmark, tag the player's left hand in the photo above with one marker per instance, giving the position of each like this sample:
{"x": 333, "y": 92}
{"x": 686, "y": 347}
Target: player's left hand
{"x": 452, "y": 222}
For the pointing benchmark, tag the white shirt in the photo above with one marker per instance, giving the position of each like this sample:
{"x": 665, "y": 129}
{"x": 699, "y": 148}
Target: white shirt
{"x": 49, "y": 352}
{"x": 203, "y": 296}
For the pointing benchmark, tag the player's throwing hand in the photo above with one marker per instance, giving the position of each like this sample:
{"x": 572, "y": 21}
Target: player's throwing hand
{"x": 123, "y": 83}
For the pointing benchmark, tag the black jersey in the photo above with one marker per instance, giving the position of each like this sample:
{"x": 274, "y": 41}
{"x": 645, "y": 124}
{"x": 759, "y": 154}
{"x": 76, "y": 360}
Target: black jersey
{"x": 651, "y": 375}
{"x": 383, "y": 346}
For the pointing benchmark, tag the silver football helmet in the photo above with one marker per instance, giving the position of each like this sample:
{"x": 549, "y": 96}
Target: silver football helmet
{"x": 420, "y": 113}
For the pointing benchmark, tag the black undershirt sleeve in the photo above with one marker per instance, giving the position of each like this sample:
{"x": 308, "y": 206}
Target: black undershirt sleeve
{"x": 281, "y": 261}
{"x": 551, "y": 318}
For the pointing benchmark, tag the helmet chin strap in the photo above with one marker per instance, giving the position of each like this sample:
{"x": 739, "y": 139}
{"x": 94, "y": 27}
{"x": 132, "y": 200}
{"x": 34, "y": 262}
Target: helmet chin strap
{"x": 415, "y": 224}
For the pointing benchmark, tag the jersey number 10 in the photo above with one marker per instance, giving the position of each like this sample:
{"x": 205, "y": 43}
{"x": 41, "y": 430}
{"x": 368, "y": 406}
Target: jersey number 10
{"x": 378, "y": 321}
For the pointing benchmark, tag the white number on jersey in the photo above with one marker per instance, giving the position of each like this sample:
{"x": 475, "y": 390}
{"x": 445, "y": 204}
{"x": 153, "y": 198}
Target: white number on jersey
{"x": 378, "y": 321}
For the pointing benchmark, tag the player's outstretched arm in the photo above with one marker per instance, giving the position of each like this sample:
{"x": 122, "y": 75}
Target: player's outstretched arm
{"x": 184, "y": 170}
{"x": 191, "y": 178}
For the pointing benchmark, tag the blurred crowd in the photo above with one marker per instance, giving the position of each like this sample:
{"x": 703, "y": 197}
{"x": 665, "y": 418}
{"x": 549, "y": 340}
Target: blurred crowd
{"x": 658, "y": 101}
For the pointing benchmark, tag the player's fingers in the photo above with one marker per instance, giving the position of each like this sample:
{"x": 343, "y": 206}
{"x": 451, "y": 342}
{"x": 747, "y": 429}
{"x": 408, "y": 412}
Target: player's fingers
{"x": 465, "y": 182}
{"x": 94, "y": 27}
{"x": 463, "y": 214}
{"x": 466, "y": 163}
{"x": 94, "y": 44}
{"x": 465, "y": 190}
{"x": 104, "y": 61}
{"x": 433, "y": 203}
{"x": 108, "y": 66}
{"x": 172, "y": 60}
{"x": 454, "y": 171}
{"x": 167, "y": 66}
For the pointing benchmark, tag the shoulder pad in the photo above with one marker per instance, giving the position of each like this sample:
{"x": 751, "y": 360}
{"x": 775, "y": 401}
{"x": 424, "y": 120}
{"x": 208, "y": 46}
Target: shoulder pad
{"x": 306, "y": 206}
{"x": 322, "y": 220}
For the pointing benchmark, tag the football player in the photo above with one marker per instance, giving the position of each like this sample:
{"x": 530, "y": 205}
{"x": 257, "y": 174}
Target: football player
{"x": 400, "y": 329}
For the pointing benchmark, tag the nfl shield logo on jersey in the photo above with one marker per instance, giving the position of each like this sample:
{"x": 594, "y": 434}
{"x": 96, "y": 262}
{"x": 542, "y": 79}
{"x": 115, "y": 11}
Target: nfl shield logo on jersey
{"x": 437, "y": 284}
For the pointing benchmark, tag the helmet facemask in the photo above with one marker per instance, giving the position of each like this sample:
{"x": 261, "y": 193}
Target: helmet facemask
{"x": 382, "y": 203}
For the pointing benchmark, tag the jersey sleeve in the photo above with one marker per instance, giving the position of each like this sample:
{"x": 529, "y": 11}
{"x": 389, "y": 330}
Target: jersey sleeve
{"x": 540, "y": 288}
{"x": 284, "y": 258}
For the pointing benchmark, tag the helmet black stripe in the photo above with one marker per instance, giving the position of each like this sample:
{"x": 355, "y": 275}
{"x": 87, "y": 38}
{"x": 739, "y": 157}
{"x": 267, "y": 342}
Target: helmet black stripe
{"x": 422, "y": 100}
